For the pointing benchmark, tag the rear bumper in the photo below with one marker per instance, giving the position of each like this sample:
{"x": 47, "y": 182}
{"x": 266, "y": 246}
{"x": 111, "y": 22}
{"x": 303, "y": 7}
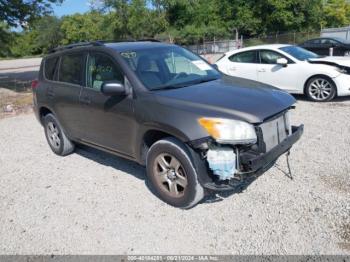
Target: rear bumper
{"x": 256, "y": 164}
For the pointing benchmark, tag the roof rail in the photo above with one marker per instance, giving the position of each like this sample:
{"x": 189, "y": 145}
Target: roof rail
{"x": 98, "y": 43}
{"x": 128, "y": 40}
{"x": 80, "y": 44}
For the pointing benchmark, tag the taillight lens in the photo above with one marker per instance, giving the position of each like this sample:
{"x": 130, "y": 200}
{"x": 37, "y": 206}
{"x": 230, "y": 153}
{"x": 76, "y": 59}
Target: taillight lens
{"x": 35, "y": 84}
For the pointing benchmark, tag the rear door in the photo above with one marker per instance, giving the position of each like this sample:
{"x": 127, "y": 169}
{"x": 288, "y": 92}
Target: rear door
{"x": 108, "y": 120}
{"x": 64, "y": 90}
{"x": 243, "y": 65}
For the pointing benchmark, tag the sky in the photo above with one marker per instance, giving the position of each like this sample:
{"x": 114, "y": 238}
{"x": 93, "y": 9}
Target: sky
{"x": 69, "y": 7}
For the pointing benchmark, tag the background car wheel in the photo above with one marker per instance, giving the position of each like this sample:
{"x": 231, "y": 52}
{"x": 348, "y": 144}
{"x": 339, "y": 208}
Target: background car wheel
{"x": 320, "y": 89}
{"x": 55, "y": 136}
{"x": 172, "y": 174}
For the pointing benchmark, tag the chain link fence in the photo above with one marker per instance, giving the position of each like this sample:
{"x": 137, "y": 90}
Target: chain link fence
{"x": 223, "y": 46}
{"x": 215, "y": 47}
{"x": 293, "y": 38}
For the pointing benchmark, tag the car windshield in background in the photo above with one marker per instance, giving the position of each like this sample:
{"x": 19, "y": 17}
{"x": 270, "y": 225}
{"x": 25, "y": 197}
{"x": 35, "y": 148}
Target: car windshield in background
{"x": 299, "y": 53}
{"x": 169, "y": 67}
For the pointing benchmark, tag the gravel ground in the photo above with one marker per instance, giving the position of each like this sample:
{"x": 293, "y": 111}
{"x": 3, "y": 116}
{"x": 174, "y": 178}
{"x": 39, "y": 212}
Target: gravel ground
{"x": 94, "y": 203}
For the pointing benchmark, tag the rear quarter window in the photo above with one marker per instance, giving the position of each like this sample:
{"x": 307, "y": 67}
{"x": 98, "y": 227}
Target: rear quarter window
{"x": 50, "y": 67}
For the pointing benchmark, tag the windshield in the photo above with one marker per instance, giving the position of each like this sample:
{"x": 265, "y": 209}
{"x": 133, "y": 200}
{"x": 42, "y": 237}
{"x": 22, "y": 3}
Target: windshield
{"x": 299, "y": 53}
{"x": 168, "y": 67}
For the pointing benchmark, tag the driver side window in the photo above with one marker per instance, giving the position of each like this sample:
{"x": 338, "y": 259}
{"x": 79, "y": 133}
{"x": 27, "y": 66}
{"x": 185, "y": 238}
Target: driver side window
{"x": 269, "y": 57}
{"x": 101, "y": 68}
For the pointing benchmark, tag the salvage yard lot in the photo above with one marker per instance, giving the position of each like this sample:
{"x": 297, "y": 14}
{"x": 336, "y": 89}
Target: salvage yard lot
{"x": 94, "y": 203}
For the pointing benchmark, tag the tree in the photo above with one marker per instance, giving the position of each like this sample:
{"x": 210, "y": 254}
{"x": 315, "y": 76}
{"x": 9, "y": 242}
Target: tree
{"x": 336, "y": 13}
{"x": 85, "y": 27}
{"x": 5, "y": 40}
{"x": 22, "y": 12}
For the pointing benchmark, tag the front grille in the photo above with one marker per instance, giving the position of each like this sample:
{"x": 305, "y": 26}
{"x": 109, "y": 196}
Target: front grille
{"x": 274, "y": 131}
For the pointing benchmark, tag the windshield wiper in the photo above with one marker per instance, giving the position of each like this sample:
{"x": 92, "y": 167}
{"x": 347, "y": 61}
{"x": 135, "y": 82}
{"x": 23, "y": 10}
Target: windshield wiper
{"x": 175, "y": 86}
{"x": 167, "y": 87}
{"x": 204, "y": 80}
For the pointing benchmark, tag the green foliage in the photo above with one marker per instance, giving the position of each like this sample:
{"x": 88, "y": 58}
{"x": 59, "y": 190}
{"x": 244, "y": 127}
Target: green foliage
{"x": 21, "y": 12}
{"x": 336, "y": 13}
{"x": 84, "y": 27}
{"x": 180, "y": 21}
{"x": 5, "y": 40}
{"x": 42, "y": 36}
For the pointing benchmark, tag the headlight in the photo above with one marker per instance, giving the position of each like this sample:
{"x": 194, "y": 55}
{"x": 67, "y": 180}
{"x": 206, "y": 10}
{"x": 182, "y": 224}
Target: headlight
{"x": 229, "y": 131}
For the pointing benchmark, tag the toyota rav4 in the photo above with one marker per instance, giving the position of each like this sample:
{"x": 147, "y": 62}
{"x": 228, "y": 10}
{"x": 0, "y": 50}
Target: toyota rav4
{"x": 196, "y": 131}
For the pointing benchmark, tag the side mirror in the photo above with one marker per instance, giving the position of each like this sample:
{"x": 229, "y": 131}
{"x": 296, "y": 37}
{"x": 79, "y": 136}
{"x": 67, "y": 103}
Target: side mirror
{"x": 282, "y": 61}
{"x": 113, "y": 89}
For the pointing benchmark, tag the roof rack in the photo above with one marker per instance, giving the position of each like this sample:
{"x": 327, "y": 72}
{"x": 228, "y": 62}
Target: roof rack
{"x": 60, "y": 48}
{"x": 98, "y": 43}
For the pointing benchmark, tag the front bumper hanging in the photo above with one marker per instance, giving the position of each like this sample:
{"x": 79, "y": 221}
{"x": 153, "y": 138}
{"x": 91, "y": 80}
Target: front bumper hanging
{"x": 256, "y": 164}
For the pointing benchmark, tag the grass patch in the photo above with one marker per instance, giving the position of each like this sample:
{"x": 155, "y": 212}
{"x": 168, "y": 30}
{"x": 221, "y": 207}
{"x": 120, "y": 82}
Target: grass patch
{"x": 19, "y": 102}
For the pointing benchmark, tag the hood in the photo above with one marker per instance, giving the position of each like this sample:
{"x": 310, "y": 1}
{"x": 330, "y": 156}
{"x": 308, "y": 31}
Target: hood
{"x": 332, "y": 61}
{"x": 233, "y": 97}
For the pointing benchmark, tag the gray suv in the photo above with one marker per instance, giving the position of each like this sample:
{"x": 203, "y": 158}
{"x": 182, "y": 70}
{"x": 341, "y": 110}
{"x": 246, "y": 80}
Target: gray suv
{"x": 196, "y": 131}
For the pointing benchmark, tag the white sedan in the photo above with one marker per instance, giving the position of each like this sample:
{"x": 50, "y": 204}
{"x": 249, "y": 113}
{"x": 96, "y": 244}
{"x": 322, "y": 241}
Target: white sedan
{"x": 290, "y": 68}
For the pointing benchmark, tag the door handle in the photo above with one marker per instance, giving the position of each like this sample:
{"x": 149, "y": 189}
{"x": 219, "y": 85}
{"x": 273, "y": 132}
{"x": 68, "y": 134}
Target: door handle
{"x": 85, "y": 100}
{"x": 262, "y": 70}
{"x": 232, "y": 69}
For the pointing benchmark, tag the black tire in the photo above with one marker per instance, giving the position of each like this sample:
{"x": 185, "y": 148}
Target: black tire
{"x": 192, "y": 193}
{"x": 60, "y": 144}
{"x": 320, "y": 89}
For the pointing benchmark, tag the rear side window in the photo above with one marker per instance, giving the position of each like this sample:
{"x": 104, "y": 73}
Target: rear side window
{"x": 245, "y": 57}
{"x": 71, "y": 69}
{"x": 314, "y": 41}
{"x": 50, "y": 67}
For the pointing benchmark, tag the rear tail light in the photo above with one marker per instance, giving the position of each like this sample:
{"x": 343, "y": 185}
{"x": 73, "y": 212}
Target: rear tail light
{"x": 35, "y": 84}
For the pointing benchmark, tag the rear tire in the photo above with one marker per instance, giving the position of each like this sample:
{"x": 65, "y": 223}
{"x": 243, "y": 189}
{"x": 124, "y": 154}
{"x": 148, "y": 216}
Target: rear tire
{"x": 320, "y": 89}
{"x": 172, "y": 174}
{"x": 56, "y": 138}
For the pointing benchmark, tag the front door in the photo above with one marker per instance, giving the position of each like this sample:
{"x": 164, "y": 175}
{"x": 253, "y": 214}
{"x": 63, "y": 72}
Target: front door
{"x": 108, "y": 120}
{"x": 271, "y": 73}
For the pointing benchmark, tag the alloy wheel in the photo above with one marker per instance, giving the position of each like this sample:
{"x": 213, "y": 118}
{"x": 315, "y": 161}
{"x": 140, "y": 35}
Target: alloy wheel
{"x": 170, "y": 175}
{"x": 320, "y": 89}
{"x": 53, "y": 135}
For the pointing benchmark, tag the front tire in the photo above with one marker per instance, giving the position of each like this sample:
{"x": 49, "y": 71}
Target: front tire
{"x": 172, "y": 174}
{"x": 55, "y": 136}
{"x": 320, "y": 89}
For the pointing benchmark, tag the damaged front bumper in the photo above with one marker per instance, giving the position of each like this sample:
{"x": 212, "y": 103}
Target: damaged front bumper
{"x": 255, "y": 164}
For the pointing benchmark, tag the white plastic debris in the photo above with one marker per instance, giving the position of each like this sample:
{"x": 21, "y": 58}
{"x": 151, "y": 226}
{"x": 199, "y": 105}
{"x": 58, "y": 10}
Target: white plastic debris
{"x": 8, "y": 108}
{"x": 222, "y": 161}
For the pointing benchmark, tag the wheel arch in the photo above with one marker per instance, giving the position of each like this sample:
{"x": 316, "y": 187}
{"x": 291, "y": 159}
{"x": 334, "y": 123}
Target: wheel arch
{"x": 320, "y": 75}
{"x": 151, "y": 135}
{"x": 43, "y": 111}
